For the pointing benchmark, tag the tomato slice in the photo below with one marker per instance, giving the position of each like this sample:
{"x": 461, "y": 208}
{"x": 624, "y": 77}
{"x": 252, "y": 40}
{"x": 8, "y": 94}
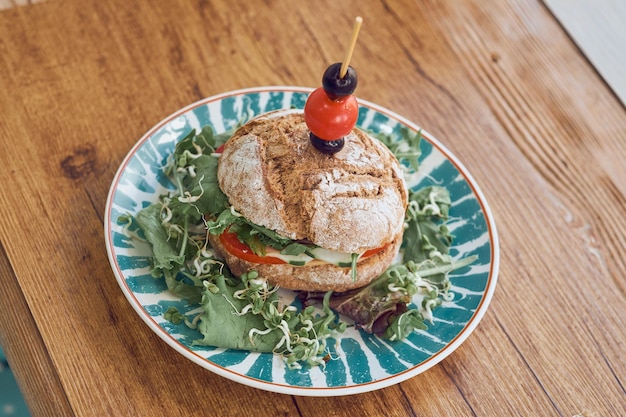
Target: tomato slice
{"x": 374, "y": 251}
{"x": 234, "y": 246}
{"x": 220, "y": 149}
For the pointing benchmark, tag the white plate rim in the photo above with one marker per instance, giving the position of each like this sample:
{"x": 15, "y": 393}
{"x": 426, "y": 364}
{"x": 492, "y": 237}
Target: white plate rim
{"x": 290, "y": 389}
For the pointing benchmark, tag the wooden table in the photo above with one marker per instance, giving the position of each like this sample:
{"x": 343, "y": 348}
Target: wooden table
{"x": 499, "y": 83}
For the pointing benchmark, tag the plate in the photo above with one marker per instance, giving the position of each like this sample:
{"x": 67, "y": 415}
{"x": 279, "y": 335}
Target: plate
{"x": 360, "y": 362}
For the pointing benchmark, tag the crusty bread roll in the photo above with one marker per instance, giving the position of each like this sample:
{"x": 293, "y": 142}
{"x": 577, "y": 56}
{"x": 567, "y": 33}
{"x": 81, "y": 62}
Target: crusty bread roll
{"x": 350, "y": 202}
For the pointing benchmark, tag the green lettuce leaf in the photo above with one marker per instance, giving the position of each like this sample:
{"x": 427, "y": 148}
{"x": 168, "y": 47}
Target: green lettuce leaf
{"x": 244, "y": 313}
{"x": 406, "y": 148}
{"x": 247, "y": 316}
{"x": 255, "y": 236}
{"x": 221, "y": 323}
{"x": 165, "y": 255}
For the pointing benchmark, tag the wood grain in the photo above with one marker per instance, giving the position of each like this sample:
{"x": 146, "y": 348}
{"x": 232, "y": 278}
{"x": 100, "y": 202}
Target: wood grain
{"x": 35, "y": 371}
{"x": 499, "y": 83}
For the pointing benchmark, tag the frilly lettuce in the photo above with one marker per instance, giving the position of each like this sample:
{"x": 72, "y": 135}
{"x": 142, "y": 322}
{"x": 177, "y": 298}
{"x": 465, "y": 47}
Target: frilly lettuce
{"x": 246, "y": 312}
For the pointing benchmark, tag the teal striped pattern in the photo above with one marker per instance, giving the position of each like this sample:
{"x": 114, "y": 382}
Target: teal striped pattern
{"x": 11, "y": 400}
{"x": 360, "y": 362}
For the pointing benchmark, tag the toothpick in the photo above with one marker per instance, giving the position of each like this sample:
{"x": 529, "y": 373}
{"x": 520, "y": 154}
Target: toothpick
{"x": 355, "y": 34}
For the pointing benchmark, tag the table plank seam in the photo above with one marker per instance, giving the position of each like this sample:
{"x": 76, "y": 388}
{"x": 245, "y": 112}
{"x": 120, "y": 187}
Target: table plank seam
{"x": 527, "y": 365}
{"x": 43, "y": 382}
{"x": 458, "y": 388}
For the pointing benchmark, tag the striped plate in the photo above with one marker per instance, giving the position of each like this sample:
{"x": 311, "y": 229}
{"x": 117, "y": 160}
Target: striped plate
{"x": 360, "y": 362}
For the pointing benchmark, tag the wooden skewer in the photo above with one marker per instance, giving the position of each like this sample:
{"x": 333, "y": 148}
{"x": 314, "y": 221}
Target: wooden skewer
{"x": 355, "y": 34}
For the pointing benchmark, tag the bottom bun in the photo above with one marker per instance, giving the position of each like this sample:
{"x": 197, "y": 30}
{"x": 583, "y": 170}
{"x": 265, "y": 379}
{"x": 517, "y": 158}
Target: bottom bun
{"x": 318, "y": 277}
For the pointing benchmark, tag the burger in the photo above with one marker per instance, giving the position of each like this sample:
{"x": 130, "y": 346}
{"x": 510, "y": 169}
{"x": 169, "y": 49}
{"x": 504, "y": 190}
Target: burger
{"x": 314, "y": 221}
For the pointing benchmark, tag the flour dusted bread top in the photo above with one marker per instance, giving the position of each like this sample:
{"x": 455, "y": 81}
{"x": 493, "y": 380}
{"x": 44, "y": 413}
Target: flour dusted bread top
{"x": 349, "y": 202}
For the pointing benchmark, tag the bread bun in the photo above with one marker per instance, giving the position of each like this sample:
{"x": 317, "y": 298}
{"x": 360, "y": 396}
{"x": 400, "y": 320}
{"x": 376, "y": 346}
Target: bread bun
{"x": 350, "y": 202}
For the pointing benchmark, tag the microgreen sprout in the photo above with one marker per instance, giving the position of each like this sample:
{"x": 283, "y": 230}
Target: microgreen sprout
{"x": 128, "y": 227}
{"x": 188, "y": 198}
{"x": 247, "y": 312}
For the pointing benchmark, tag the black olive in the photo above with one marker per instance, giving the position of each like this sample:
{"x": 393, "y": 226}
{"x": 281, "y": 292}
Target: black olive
{"x": 329, "y": 147}
{"x": 335, "y": 86}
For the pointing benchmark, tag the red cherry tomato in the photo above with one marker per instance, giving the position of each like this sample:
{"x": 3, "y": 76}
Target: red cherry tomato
{"x": 330, "y": 119}
{"x": 234, "y": 246}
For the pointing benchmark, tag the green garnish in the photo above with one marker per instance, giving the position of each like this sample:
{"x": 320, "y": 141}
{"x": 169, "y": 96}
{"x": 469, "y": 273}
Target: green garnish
{"x": 245, "y": 313}
{"x": 406, "y": 149}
